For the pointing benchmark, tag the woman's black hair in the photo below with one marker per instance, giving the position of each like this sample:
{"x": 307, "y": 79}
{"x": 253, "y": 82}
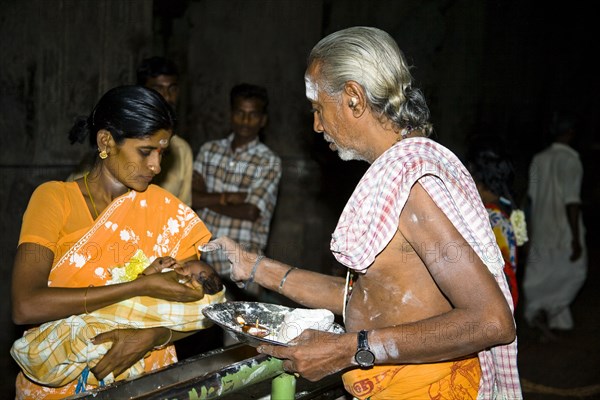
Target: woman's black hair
{"x": 127, "y": 112}
{"x": 494, "y": 170}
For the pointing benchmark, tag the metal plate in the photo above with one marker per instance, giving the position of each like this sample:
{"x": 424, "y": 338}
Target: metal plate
{"x": 268, "y": 315}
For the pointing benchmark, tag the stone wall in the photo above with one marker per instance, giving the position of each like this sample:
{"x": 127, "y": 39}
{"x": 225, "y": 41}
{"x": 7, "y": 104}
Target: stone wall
{"x": 485, "y": 68}
{"x": 58, "y": 57}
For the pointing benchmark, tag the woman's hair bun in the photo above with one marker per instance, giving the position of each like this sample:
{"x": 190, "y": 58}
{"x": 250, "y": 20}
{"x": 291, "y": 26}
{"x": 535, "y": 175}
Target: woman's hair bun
{"x": 79, "y": 131}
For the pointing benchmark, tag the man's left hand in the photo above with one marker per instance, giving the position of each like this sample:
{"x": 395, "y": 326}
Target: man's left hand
{"x": 314, "y": 354}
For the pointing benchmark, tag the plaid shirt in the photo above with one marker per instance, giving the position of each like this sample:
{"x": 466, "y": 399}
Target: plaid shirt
{"x": 370, "y": 220}
{"x": 251, "y": 168}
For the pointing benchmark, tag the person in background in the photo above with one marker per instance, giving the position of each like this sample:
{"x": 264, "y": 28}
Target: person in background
{"x": 493, "y": 174}
{"x": 556, "y": 265}
{"x": 74, "y": 235}
{"x": 236, "y": 179}
{"x": 162, "y": 75}
{"x": 426, "y": 305}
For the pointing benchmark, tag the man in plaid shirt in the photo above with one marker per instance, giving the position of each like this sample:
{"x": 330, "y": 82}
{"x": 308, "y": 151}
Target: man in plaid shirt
{"x": 236, "y": 178}
{"x": 426, "y": 306}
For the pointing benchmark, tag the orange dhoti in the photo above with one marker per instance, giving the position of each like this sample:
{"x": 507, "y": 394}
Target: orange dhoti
{"x": 445, "y": 380}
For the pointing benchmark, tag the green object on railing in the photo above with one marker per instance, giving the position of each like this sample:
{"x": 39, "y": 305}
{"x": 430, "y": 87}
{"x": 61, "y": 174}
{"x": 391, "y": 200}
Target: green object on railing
{"x": 232, "y": 379}
{"x": 283, "y": 387}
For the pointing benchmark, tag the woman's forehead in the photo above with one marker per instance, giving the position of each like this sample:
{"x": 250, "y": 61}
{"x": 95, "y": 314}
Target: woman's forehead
{"x": 160, "y": 138}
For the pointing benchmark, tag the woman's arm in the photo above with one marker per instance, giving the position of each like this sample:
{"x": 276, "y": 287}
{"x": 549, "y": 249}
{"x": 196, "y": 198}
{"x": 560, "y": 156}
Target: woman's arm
{"x": 34, "y": 302}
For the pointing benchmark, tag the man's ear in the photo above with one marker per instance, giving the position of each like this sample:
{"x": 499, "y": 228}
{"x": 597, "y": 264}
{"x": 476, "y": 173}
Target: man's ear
{"x": 353, "y": 96}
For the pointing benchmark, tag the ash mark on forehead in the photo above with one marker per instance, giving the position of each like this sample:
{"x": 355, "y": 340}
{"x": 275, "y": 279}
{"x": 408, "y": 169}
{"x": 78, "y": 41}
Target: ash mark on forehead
{"x": 311, "y": 89}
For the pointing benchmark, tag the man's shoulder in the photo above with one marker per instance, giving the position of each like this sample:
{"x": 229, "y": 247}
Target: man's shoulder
{"x": 557, "y": 150}
{"x": 213, "y": 144}
{"x": 179, "y": 144}
{"x": 266, "y": 151}
{"x": 177, "y": 140}
{"x": 413, "y": 152}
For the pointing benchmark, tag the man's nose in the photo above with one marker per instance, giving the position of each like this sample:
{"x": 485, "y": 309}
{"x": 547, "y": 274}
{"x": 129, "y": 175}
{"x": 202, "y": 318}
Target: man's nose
{"x": 317, "y": 126}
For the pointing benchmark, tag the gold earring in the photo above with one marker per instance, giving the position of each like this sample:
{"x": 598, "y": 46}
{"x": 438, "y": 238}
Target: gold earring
{"x": 103, "y": 154}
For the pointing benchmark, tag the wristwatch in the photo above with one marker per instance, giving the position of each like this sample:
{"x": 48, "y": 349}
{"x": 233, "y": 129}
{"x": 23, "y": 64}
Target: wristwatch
{"x": 364, "y": 356}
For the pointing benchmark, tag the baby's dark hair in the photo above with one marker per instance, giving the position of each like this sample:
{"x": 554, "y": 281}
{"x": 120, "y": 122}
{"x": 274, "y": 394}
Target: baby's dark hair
{"x": 207, "y": 277}
{"x": 126, "y": 112}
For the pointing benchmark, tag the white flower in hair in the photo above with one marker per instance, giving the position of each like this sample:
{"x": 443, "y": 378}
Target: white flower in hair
{"x": 517, "y": 219}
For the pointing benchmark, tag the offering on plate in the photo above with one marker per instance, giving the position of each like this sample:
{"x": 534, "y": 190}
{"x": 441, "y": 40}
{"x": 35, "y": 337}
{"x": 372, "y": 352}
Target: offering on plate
{"x": 253, "y": 329}
{"x": 300, "y": 319}
{"x": 257, "y": 323}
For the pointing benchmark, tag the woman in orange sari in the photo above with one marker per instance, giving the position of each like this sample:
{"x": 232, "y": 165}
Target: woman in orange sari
{"x": 78, "y": 237}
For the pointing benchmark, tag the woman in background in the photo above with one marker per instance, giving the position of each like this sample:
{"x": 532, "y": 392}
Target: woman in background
{"x": 493, "y": 174}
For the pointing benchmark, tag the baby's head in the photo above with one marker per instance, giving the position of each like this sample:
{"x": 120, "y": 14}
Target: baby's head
{"x": 205, "y": 275}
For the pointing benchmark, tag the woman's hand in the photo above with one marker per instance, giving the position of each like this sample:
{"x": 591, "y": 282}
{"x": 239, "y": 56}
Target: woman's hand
{"x": 170, "y": 286}
{"x": 241, "y": 260}
{"x": 128, "y": 347}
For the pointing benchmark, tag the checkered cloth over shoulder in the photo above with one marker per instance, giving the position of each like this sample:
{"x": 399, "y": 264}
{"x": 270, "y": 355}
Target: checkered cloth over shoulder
{"x": 370, "y": 220}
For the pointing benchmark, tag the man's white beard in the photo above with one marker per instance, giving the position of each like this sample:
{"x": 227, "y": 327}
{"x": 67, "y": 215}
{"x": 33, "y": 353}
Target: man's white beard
{"x": 344, "y": 153}
{"x": 347, "y": 155}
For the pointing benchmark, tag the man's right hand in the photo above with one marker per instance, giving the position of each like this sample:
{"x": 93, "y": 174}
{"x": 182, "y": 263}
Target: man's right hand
{"x": 241, "y": 259}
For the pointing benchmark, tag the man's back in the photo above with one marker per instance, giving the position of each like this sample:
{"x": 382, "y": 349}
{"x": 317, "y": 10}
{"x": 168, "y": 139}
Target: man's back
{"x": 555, "y": 178}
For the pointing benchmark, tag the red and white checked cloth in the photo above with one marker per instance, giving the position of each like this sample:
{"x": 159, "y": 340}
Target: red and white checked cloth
{"x": 370, "y": 220}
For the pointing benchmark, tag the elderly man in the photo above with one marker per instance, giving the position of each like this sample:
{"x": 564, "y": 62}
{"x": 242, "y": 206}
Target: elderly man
{"x": 426, "y": 306}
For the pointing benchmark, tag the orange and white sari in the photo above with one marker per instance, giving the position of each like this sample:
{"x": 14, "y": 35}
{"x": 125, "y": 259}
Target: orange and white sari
{"x": 150, "y": 224}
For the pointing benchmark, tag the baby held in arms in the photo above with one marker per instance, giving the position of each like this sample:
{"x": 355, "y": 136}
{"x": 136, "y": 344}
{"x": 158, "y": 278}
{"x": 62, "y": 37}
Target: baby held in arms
{"x": 74, "y": 336}
{"x": 194, "y": 274}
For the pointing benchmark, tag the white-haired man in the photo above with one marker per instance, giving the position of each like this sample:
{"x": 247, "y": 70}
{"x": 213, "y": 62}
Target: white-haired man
{"x": 426, "y": 307}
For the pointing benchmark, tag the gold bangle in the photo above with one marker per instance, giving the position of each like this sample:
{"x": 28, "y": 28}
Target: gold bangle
{"x": 165, "y": 344}
{"x": 85, "y": 299}
{"x": 280, "y": 289}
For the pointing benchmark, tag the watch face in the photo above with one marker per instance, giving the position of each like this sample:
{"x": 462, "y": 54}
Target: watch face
{"x": 364, "y": 358}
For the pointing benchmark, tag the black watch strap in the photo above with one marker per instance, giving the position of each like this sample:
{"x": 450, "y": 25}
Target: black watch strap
{"x": 363, "y": 341}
